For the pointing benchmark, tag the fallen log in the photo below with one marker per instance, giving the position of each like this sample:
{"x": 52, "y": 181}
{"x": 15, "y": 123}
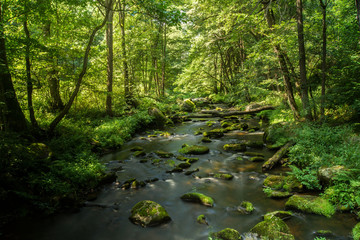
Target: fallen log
{"x": 274, "y": 160}
{"x": 217, "y": 113}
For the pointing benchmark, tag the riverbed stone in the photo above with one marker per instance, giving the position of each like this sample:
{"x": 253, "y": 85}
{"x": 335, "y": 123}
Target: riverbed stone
{"x": 257, "y": 159}
{"x": 283, "y": 215}
{"x": 201, "y": 219}
{"x": 215, "y": 133}
{"x": 227, "y": 234}
{"x": 224, "y": 176}
{"x": 184, "y": 165}
{"x": 276, "y": 194}
{"x": 253, "y": 154}
{"x": 192, "y": 171}
{"x": 148, "y": 213}
{"x": 356, "y": 232}
{"x": 245, "y": 207}
{"x": 206, "y": 140}
{"x": 311, "y": 204}
{"x": 195, "y": 149}
{"x": 164, "y": 154}
{"x": 327, "y": 174}
{"x": 286, "y": 183}
{"x": 237, "y": 147}
{"x": 198, "y": 198}
{"x": 139, "y": 154}
{"x": 136, "y": 149}
{"x": 188, "y": 106}
{"x": 273, "y": 228}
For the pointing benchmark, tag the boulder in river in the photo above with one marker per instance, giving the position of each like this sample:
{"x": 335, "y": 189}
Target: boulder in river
{"x": 148, "y": 213}
{"x": 311, "y": 204}
{"x": 273, "y": 228}
{"x": 163, "y": 154}
{"x": 237, "y": 147}
{"x": 257, "y": 159}
{"x": 215, "y": 133}
{"x": 286, "y": 183}
{"x": 245, "y": 207}
{"x": 283, "y": 215}
{"x": 327, "y": 174}
{"x": 227, "y": 234}
{"x": 159, "y": 118}
{"x": 139, "y": 154}
{"x": 198, "y": 198}
{"x": 206, "y": 140}
{"x": 276, "y": 194}
{"x": 188, "y": 106}
{"x": 202, "y": 219}
{"x": 224, "y": 176}
{"x": 137, "y": 148}
{"x": 195, "y": 149}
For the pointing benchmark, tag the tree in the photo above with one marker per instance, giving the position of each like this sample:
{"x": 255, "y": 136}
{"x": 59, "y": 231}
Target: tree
{"x": 357, "y": 2}
{"x": 110, "y": 59}
{"x": 11, "y": 116}
{"x": 323, "y": 4}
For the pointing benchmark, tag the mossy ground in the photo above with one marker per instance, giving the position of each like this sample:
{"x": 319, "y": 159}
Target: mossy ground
{"x": 311, "y": 204}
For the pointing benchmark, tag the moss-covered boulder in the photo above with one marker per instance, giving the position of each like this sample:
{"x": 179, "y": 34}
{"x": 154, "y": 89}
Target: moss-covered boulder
{"x": 136, "y": 149}
{"x": 156, "y": 161}
{"x": 163, "y": 154}
{"x": 327, "y": 174}
{"x": 255, "y": 144}
{"x": 245, "y": 207}
{"x": 198, "y": 198}
{"x": 215, "y": 133}
{"x": 283, "y": 215}
{"x": 40, "y": 151}
{"x": 226, "y": 234}
{"x": 139, "y": 154}
{"x": 276, "y": 194}
{"x": 237, "y": 147}
{"x": 148, "y": 213}
{"x": 184, "y": 165}
{"x": 159, "y": 118}
{"x": 311, "y": 204}
{"x": 206, "y": 140}
{"x": 286, "y": 183}
{"x": 254, "y": 154}
{"x": 224, "y": 176}
{"x": 201, "y": 219}
{"x": 356, "y": 232}
{"x": 273, "y": 228}
{"x": 257, "y": 159}
{"x": 195, "y": 149}
{"x": 191, "y": 171}
{"x": 225, "y": 124}
{"x": 188, "y": 106}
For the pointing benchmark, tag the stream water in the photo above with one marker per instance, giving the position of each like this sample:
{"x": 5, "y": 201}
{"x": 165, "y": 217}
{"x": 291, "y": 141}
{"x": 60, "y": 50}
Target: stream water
{"x": 109, "y": 223}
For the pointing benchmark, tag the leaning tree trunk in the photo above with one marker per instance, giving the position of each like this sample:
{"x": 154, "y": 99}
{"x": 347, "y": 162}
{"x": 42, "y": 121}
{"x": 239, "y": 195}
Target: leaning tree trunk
{"x": 110, "y": 60}
{"x": 67, "y": 107}
{"x": 11, "y": 116}
{"x": 302, "y": 61}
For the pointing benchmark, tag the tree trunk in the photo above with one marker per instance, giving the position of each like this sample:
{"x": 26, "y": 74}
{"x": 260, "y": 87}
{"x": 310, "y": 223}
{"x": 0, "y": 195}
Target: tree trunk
{"x": 67, "y": 107}
{"x": 29, "y": 83}
{"x": 127, "y": 87}
{"x": 357, "y": 2}
{"x": 163, "y": 64}
{"x": 302, "y": 62}
{"x": 323, "y": 58}
{"x": 11, "y": 116}
{"x": 110, "y": 60}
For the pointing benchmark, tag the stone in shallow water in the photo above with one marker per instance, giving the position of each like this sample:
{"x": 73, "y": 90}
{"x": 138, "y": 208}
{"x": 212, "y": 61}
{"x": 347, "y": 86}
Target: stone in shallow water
{"x": 227, "y": 234}
{"x": 311, "y": 204}
{"x": 148, "y": 213}
{"x": 237, "y": 147}
{"x": 245, "y": 207}
{"x": 224, "y": 176}
{"x": 201, "y": 219}
{"x": 163, "y": 154}
{"x": 283, "y": 215}
{"x": 195, "y": 149}
{"x": 198, "y": 198}
{"x": 273, "y": 228}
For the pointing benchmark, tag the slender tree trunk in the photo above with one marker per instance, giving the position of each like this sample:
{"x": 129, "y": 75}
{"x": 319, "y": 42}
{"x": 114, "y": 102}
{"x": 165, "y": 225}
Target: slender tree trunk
{"x": 67, "y": 107}
{"x": 163, "y": 63}
{"x": 357, "y": 2}
{"x": 29, "y": 83}
{"x": 127, "y": 87}
{"x": 302, "y": 62}
{"x": 11, "y": 116}
{"x": 110, "y": 60}
{"x": 323, "y": 58}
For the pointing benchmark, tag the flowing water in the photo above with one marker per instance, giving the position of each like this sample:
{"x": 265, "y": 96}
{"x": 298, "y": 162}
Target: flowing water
{"x": 106, "y": 218}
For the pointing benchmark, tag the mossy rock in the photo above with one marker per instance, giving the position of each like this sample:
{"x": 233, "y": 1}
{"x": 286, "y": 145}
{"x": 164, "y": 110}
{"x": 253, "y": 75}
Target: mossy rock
{"x": 274, "y": 181}
{"x": 215, "y": 133}
{"x": 188, "y": 106}
{"x": 287, "y": 183}
{"x": 257, "y": 159}
{"x": 137, "y": 184}
{"x": 206, "y": 140}
{"x": 184, "y": 165}
{"x": 327, "y": 174}
{"x": 160, "y": 119}
{"x": 273, "y": 228}
{"x": 195, "y": 149}
{"x": 283, "y": 215}
{"x": 225, "y": 124}
{"x": 201, "y": 219}
{"x": 198, "y": 198}
{"x": 226, "y": 234}
{"x": 191, "y": 171}
{"x": 254, "y": 154}
{"x": 139, "y": 154}
{"x": 224, "y": 176}
{"x": 245, "y": 207}
{"x": 40, "y": 151}
{"x": 240, "y": 158}
{"x": 164, "y": 154}
{"x": 356, "y": 232}
{"x": 311, "y": 204}
{"x": 276, "y": 194}
{"x": 148, "y": 213}
{"x": 237, "y": 147}
{"x": 210, "y": 123}
{"x": 292, "y": 184}
{"x": 137, "y": 149}
{"x": 156, "y": 161}
{"x": 192, "y": 160}
{"x": 255, "y": 144}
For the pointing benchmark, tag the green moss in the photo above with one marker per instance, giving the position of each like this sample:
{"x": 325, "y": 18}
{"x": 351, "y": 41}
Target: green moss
{"x": 201, "y": 219}
{"x": 198, "y": 198}
{"x": 206, "y": 140}
{"x": 197, "y": 150}
{"x": 225, "y": 124}
{"x": 240, "y": 158}
{"x": 149, "y": 213}
{"x": 210, "y": 123}
{"x": 276, "y": 194}
{"x": 280, "y": 214}
{"x": 139, "y": 154}
{"x": 227, "y": 234}
{"x": 254, "y": 154}
{"x": 156, "y": 161}
{"x": 311, "y": 204}
{"x": 274, "y": 182}
{"x": 257, "y": 159}
{"x": 286, "y": 183}
{"x": 215, "y": 133}
{"x": 184, "y": 165}
{"x": 248, "y": 206}
{"x": 224, "y": 176}
{"x": 163, "y": 154}
{"x": 273, "y": 228}
{"x": 356, "y": 232}
{"x": 237, "y": 147}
